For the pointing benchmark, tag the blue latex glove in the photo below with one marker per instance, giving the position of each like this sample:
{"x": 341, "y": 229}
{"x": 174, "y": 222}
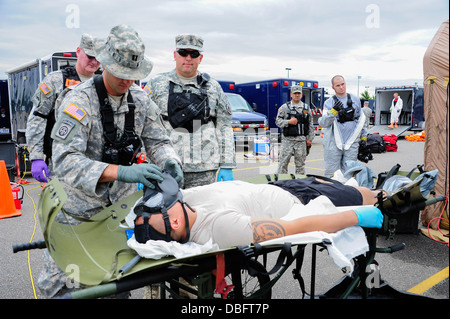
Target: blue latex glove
{"x": 142, "y": 173}
{"x": 174, "y": 169}
{"x": 369, "y": 216}
{"x": 39, "y": 171}
{"x": 225, "y": 174}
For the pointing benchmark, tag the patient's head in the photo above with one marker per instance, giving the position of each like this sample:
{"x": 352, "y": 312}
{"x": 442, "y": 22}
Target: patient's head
{"x": 160, "y": 213}
{"x": 175, "y": 218}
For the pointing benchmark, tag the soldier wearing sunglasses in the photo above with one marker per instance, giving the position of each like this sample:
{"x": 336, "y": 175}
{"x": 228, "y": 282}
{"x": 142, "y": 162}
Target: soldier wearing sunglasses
{"x": 197, "y": 115}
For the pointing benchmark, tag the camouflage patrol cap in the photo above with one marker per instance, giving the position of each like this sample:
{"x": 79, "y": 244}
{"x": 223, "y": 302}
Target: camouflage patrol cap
{"x": 189, "y": 41}
{"x": 122, "y": 54}
{"x": 87, "y": 44}
{"x": 296, "y": 88}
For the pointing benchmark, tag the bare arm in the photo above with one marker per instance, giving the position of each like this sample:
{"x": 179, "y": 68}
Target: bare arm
{"x": 109, "y": 174}
{"x": 266, "y": 229}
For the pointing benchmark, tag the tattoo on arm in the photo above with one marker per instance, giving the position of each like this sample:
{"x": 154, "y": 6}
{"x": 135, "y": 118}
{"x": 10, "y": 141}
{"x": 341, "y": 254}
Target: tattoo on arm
{"x": 267, "y": 229}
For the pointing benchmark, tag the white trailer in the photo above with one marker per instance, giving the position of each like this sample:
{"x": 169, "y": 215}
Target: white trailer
{"x": 412, "y": 115}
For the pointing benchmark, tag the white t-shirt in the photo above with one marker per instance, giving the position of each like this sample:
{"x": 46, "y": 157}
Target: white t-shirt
{"x": 224, "y": 210}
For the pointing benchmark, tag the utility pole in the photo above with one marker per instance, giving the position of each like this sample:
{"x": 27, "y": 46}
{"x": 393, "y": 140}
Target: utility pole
{"x": 288, "y": 69}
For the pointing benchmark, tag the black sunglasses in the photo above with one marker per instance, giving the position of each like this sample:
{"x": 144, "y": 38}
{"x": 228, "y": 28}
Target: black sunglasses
{"x": 184, "y": 53}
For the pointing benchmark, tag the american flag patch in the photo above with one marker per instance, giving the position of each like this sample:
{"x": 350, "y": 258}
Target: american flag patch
{"x": 147, "y": 90}
{"x": 44, "y": 88}
{"x": 75, "y": 111}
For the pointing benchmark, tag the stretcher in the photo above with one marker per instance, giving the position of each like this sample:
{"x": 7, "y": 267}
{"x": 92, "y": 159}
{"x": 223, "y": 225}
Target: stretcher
{"x": 94, "y": 253}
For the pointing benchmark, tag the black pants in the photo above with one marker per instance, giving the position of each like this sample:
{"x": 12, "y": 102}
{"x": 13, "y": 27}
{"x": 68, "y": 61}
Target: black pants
{"x": 306, "y": 189}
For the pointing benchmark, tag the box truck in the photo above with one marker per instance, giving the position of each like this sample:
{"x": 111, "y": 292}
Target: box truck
{"x": 412, "y": 116}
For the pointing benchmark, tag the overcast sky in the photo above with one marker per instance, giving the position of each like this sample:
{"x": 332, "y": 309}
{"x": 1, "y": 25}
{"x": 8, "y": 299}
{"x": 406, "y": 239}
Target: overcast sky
{"x": 383, "y": 41}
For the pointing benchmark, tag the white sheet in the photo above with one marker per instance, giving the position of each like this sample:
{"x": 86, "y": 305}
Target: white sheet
{"x": 345, "y": 244}
{"x": 157, "y": 249}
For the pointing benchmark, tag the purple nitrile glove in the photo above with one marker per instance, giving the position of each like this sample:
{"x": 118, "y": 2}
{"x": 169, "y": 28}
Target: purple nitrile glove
{"x": 38, "y": 169}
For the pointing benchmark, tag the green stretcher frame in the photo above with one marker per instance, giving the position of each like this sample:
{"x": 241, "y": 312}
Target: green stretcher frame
{"x": 94, "y": 252}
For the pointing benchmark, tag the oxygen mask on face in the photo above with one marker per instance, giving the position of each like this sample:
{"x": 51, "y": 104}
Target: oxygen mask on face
{"x": 158, "y": 201}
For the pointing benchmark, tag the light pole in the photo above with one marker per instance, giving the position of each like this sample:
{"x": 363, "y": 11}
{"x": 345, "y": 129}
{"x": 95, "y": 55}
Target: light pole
{"x": 359, "y": 77}
{"x": 288, "y": 69}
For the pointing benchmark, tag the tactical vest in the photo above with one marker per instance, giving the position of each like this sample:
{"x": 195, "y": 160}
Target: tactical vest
{"x": 117, "y": 150}
{"x": 302, "y": 126}
{"x": 186, "y": 107}
{"x": 345, "y": 114}
{"x": 70, "y": 77}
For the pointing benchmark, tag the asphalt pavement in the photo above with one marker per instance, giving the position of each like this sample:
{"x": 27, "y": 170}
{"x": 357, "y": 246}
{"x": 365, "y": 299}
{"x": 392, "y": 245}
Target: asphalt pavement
{"x": 422, "y": 259}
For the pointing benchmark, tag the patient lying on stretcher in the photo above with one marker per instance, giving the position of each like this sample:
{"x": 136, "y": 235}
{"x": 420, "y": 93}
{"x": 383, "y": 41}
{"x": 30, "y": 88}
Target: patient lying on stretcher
{"x": 237, "y": 213}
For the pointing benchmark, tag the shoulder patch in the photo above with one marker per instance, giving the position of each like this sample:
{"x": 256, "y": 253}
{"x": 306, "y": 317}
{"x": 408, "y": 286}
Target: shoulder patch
{"x": 75, "y": 111}
{"x": 64, "y": 129}
{"x": 44, "y": 88}
{"x": 71, "y": 82}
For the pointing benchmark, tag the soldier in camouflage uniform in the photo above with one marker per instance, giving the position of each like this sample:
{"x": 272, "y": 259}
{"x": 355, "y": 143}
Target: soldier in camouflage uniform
{"x": 80, "y": 139}
{"x": 41, "y": 119}
{"x": 205, "y": 143}
{"x": 295, "y": 120}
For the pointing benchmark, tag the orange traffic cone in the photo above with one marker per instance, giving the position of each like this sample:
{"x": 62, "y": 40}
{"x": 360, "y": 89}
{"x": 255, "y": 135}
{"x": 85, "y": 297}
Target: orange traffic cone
{"x": 7, "y": 206}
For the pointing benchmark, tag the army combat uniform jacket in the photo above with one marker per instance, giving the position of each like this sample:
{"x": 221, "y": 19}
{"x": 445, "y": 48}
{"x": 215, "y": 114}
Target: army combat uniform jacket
{"x": 283, "y": 118}
{"x": 43, "y": 102}
{"x": 212, "y": 146}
